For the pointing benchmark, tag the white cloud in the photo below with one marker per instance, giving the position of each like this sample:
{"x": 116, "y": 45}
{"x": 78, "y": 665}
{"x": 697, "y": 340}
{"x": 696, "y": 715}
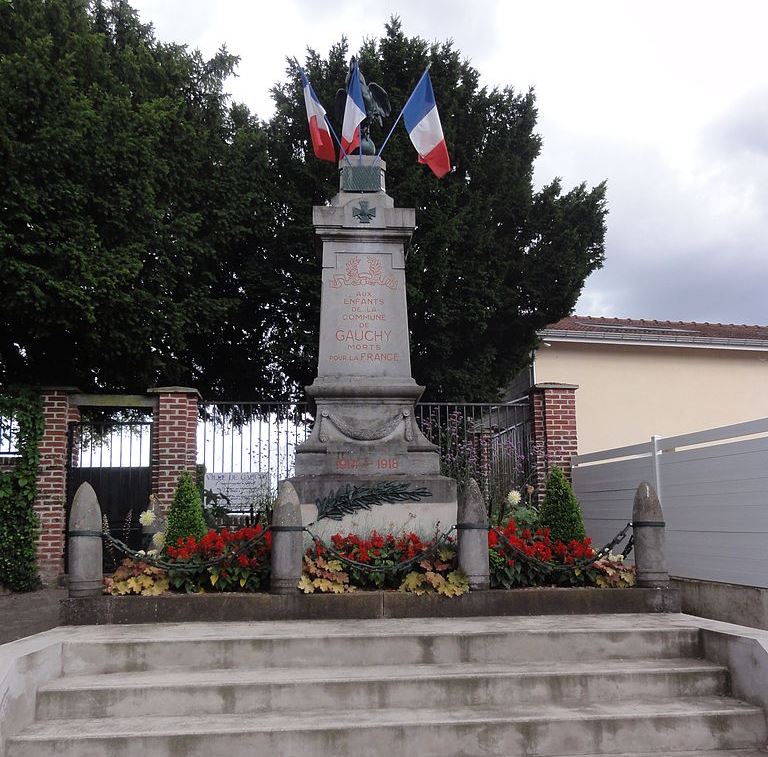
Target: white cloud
{"x": 665, "y": 100}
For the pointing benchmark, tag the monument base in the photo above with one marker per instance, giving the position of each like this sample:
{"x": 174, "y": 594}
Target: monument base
{"x": 427, "y": 517}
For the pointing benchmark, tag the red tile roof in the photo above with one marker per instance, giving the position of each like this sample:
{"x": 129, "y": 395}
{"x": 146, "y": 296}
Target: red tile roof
{"x": 678, "y": 331}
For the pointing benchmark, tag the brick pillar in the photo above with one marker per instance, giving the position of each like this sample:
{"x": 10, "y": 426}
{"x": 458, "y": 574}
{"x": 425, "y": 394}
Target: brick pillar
{"x": 553, "y": 430}
{"x": 51, "y": 497}
{"x": 174, "y": 439}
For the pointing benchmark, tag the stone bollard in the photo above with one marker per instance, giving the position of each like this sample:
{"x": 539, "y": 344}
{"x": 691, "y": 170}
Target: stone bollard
{"x": 287, "y": 541}
{"x": 472, "y": 530}
{"x": 86, "y": 573}
{"x": 650, "y": 537}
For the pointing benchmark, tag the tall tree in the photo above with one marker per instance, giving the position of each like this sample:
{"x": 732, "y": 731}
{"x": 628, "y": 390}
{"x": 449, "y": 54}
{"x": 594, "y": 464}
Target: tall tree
{"x": 152, "y": 232}
{"x": 134, "y": 201}
{"x": 491, "y": 262}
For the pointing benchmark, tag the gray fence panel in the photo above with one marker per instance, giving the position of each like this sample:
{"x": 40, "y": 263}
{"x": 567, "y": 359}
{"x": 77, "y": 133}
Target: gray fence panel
{"x": 606, "y": 494}
{"x": 715, "y": 500}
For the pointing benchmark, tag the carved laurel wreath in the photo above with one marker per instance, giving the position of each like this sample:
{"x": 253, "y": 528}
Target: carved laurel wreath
{"x": 348, "y": 499}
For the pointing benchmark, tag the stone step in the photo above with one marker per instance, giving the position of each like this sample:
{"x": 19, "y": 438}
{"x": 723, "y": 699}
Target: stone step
{"x": 692, "y": 724}
{"x": 369, "y": 687}
{"x": 698, "y": 753}
{"x": 353, "y": 643}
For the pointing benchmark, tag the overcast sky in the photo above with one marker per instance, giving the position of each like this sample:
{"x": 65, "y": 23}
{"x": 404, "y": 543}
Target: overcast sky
{"x": 666, "y": 99}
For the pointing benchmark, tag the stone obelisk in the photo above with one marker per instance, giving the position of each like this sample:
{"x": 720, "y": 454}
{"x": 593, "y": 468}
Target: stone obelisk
{"x": 365, "y": 429}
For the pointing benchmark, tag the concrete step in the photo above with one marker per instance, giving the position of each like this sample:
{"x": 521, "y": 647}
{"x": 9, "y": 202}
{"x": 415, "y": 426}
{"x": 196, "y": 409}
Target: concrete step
{"x": 693, "y": 724}
{"x": 368, "y": 687}
{"x": 353, "y": 643}
{"x": 717, "y": 753}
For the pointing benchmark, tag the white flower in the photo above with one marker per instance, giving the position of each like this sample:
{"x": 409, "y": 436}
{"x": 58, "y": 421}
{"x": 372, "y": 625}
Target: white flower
{"x": 158, "y": 540}
{"x": 147, "y": 518}
{"x": 514, "y": 497}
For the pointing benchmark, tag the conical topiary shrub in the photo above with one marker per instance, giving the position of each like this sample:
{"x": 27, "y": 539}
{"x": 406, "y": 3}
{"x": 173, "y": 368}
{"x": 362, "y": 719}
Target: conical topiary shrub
{"x": 185, "y": 516}
{"x": 560, "y": 511}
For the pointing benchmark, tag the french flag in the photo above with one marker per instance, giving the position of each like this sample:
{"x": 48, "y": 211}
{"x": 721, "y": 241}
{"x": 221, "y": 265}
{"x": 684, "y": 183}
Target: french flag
{"x": 318, "y": 128}
{"x": 423, "y": 125}
{"x": 354, "y": 113}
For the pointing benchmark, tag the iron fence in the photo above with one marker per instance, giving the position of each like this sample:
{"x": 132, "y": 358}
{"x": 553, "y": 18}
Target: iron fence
{"x": 110, "y": 444}
{"x": 489, "y": 441}
{"x": 9, "y": 436}
{"x": 252, "y": 437}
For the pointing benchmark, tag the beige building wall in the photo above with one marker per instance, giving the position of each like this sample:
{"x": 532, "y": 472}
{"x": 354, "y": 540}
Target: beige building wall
{"x": 627, "y": 393}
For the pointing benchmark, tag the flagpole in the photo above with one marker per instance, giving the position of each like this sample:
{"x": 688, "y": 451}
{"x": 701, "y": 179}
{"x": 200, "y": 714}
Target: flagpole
{"x": 325, "y": 116}
{"x": 359, "y": 126}
{"x": 338, "y": 141}
{"x": 397, "y": 121}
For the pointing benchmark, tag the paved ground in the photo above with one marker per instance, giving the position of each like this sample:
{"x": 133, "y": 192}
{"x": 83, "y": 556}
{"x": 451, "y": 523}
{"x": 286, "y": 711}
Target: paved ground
{"x": 24, "y": 614}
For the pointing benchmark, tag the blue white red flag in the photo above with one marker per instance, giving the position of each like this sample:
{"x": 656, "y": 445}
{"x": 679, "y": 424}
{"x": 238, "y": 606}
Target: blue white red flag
{"x": 318, "y": 128}
{"x": 423, "y": 125}
{"x": 354, "y": 113}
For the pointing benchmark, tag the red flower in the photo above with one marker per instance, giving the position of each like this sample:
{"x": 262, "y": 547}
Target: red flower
{"x": 493, "y": 539}
{"x": 243, "y": 561}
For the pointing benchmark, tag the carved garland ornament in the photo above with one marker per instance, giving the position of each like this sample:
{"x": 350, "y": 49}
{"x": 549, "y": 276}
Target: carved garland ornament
{"x": 367, "y": 434}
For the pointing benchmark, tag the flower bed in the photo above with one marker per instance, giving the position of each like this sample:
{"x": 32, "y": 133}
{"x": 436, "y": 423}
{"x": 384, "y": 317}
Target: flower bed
{"x": 244, "y": 567}
{"x": 406, "y": 563}
{"x": 519, "y": 558}
{"x": 218, "y": 561}
{"x": 239, "y": 561}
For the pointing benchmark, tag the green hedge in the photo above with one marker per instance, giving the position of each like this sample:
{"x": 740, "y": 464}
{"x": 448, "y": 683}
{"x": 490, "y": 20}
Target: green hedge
{"x": 19, "y": 524}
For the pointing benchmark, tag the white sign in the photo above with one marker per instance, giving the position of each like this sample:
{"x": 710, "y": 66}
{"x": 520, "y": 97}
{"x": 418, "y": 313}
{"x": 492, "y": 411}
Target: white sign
{"x": 238, "y": 492}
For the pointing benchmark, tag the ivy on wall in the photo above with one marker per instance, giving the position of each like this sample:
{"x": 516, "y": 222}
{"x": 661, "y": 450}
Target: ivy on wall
{"x": 19, "y": 524}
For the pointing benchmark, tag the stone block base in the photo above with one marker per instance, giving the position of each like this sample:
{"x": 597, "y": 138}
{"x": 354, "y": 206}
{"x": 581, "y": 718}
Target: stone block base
{"x": 427, "y": 517}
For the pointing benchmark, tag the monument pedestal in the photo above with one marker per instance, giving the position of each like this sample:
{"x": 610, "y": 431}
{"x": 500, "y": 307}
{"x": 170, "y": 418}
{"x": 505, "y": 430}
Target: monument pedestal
{"x": 365, "y": 430}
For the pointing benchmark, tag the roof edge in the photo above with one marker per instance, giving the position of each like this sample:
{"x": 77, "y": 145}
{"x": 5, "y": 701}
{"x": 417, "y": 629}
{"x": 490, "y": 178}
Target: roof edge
{"x": 573, "y": 335}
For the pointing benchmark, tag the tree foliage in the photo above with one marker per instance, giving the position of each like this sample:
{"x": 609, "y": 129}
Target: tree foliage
{"x": 151, "y": 232}
{"x": 135, "y": 201}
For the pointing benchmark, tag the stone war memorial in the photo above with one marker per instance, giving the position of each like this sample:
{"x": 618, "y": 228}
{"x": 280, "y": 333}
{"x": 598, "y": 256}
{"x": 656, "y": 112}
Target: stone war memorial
{"x": 365, "y": 439}
{"x": 365, "y": 432}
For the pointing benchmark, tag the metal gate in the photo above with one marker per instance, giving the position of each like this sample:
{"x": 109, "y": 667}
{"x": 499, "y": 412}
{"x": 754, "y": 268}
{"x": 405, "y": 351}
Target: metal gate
{"x": 114, "y": 458}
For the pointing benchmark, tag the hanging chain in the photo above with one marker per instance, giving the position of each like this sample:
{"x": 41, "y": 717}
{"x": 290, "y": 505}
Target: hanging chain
{"x": 576, "y": 565}
{"x": 397, "y": 567}
{"x": 157, "y": 562}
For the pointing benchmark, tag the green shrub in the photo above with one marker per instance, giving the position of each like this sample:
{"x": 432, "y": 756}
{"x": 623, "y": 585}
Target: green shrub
{"x": 560, "y": 511}
{"x": 185, "y": 516}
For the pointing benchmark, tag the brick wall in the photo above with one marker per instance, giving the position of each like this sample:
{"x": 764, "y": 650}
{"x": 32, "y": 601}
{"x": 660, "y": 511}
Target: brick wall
{"x": 553, "y": 429}
{"x": 50, "y": 501}
{"x": 174, "y": 439}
